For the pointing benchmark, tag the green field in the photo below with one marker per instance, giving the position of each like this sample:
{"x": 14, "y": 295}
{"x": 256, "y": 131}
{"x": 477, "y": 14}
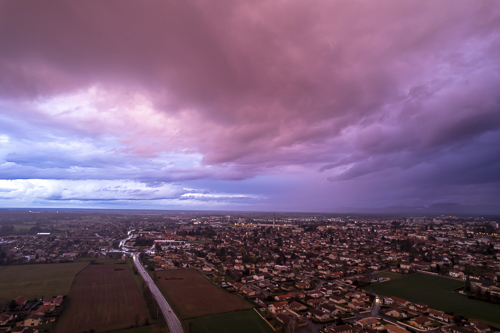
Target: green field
{"x": 35, "y": 281}
{"x": 247, "y": 321}
{"x": 437, "y": 292}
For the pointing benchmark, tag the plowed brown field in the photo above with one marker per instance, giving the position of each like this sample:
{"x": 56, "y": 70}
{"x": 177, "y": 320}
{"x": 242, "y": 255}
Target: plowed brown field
{"x": 192, "y": 295}
{"x": 105, "y": 298}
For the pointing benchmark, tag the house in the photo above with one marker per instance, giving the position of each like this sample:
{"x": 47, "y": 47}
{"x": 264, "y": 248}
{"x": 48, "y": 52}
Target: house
{"x": 330, "y": 308}
{"x": 33, "y": 320}
{"x": 481, "y": 328}
{"x": 318, "y": 314}
{"x": 489, "y": 276}
{"x": 286, "y": 287}
{"x": 278, "y": 307}
{"x": 337, "y": 299}
{"x": 315, "y": 294}
{"x": 20, "y": 300}
{"x": 316, "y": 302}
{"x": 388, "y": 300}
{"x": 456, "y": 274}
{"x": 57, "y": 301}
{"x": 369, "y": 322}
{"x": 482, "y": 285}
{"x": 420, "y": 306}
{"x": 303, "y": 285}
{"x": 248, "y": 292}
{"x": 358, "y": 305}
{"x": 283, "y": 297}
{"x": 420, "y": 322}
{"x": 42, "y": 310}
{"x": 396, "y": 313}
{"x": 405, "y": 266}
{"x": 460, "y": 329}
{"x": 5, "y": 317}
{"x": 400, "y": 301}
{"x": 394, "y": 329}
{"x": 297, "y": 295}
{"x": 259, "y": 277}
{"x": 440, "y": 315}
{"x": 297, "y": 306}
{"x": 447, "y": 318}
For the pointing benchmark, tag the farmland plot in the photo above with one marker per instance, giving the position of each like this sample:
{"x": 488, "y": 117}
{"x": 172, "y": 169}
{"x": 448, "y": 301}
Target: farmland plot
{"x": 103, "y": 298}
{"x": 37, "y": 280}
{"x": 192, "y": 295}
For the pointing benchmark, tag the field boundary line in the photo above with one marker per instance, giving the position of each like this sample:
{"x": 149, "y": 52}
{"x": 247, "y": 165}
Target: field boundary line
{"x": 274, "y": 330}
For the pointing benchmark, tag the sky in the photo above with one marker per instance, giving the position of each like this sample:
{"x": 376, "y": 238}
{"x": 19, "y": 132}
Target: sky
{"x": 249, "y": 105}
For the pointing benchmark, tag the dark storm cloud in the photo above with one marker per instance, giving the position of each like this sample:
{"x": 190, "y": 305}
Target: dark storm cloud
{"x": 173, "y": 91}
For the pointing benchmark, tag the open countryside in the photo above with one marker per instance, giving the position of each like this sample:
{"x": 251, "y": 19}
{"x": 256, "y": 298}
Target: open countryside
{"x": 103, "y": 297}
{"x": 37, "y": 281}
{"x": 438, "y": 293}
{"x": 242, "y": 322}
{"x": 192, "y": 295}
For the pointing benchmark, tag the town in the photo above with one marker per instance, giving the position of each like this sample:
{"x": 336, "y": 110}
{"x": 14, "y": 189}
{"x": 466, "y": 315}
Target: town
{"x": 296, "y": 272}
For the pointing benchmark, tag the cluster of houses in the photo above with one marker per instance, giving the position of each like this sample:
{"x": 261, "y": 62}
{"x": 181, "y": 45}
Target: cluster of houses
{"x": 280, "y": 268}
{"x": 420, "y": 316}
{"x": 96, "y": 239}
{"x": 314, "y": 268}
{"x": 26, "y": 316}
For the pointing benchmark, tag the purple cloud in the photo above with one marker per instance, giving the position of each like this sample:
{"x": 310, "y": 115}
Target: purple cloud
{"x": 342, "y": 94}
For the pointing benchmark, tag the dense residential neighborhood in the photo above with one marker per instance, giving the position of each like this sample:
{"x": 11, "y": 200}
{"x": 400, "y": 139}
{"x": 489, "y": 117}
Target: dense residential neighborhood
{"x": 302, "y": 273}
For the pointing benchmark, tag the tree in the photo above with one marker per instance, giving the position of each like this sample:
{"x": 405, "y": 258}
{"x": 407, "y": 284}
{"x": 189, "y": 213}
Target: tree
{"x": 467, "y": 284}
{"x": 136, "y": 319}
{"x": 141, "y": 241}
{"x": 291, "y": 325}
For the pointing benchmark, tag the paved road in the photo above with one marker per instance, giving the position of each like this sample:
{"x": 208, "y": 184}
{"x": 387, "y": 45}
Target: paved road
{"x": 377, "y": 304}
{"x": 173, "y": 322}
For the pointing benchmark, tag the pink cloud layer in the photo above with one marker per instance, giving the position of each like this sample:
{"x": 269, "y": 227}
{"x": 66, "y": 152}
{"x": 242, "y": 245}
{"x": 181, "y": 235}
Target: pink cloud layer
{"x": 343, "y": 88}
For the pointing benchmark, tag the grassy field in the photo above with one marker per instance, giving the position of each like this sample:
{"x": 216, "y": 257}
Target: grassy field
{"x": 35, "y": 281}
{"x": 105, "y": 298}
{"x": 192, "y": 295}
{"x": 437, "y": 292}
{"x": 241, "y": 321}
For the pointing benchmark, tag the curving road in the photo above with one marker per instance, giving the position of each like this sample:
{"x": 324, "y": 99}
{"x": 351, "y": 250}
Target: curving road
{"x": 173, "y": 322}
